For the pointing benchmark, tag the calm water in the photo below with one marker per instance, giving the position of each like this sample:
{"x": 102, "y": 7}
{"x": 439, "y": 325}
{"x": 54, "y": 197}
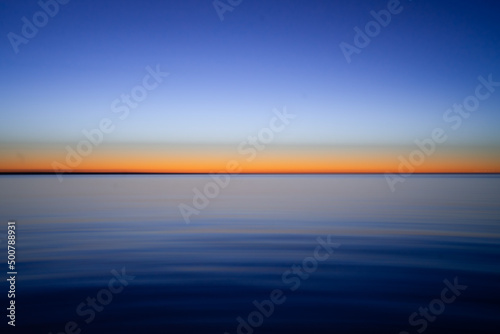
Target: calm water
{"x": 392, "y": 253}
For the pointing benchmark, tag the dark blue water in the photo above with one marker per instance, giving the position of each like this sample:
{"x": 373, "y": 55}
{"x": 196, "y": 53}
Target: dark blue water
{"x": 384, "y": 255}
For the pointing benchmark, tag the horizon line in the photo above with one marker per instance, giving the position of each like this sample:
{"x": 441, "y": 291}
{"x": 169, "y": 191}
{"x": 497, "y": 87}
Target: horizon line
{"x": 244, "y": 173}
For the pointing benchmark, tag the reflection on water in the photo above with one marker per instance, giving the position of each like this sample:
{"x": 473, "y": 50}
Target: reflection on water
{"x": 395, "y": 251}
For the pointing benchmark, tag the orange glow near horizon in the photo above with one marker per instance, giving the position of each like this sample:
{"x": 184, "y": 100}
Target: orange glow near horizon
{"x": 145, "y": 159}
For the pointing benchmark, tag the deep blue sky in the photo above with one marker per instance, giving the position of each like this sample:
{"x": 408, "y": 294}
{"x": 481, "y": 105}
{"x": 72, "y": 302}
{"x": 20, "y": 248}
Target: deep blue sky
{"x": 227, "y": 76}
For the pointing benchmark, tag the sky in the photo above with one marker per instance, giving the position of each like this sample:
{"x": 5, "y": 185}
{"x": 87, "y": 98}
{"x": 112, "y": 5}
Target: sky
{"x": 250, "y": 86}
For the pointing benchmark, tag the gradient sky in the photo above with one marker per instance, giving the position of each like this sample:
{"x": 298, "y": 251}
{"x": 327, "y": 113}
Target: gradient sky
{"x": 227, "y": 76}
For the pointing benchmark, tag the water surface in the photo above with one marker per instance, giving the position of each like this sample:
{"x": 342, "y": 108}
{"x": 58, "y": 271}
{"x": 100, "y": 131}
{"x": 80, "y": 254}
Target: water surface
{"x": 395, "y": 251}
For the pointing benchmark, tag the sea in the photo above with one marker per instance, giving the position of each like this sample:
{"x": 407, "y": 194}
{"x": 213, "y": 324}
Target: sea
{"x": 250, "y": 254}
